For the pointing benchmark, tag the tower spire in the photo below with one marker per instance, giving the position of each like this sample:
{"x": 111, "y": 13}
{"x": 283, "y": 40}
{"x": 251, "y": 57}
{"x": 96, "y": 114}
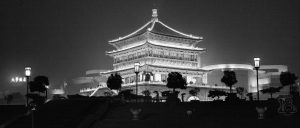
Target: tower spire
{"x": 154, "y": 13}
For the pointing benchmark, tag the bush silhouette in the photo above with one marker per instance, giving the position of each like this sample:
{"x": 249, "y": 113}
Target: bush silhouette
{"x": 216, "y": 93}
{"x": 271, "y": 90}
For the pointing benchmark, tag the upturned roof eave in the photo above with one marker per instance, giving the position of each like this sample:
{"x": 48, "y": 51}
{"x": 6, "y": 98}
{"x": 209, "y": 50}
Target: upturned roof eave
{"x": 152, "y": 23}
{"x": 147, "y": 42}
{"x": 159, "y": 66}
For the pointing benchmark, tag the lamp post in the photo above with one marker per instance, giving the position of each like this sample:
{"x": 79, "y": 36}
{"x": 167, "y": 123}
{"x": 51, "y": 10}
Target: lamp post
{"x": 256, "y": 65}
{"x": 47, "y": 87}
{"x": 136, "y": 70}
{"x": 27, "y": 74}
{"x": 32, "y": 116}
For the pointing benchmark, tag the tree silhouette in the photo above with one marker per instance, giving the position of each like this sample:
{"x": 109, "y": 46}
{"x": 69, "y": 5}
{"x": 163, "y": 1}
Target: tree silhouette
{"x": 114, "y": 81}
{"x": 216, "y": 93}
{"x": 288, "y": 79}
{"x": 271, "y": 90}
{"x": 175, "y": 80}
{"x": 39, "y": 84}
{"x": 42, "y": 80}
{"x": 229, "y": 79}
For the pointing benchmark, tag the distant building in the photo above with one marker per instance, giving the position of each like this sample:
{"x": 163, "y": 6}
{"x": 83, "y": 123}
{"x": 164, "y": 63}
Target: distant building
{"x": 268, "y": 76}
{"x": 160, "y": 50}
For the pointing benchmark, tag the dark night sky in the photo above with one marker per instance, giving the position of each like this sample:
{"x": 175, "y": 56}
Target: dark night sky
{"x": 63, "y": 38}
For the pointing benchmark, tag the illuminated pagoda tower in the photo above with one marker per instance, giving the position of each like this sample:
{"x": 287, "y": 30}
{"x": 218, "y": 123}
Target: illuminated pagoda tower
{"x": 159, "y": 49}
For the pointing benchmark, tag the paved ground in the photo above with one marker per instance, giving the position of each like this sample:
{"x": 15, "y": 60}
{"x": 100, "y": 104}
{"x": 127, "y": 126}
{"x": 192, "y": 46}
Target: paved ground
{"x": 103, "y": 113}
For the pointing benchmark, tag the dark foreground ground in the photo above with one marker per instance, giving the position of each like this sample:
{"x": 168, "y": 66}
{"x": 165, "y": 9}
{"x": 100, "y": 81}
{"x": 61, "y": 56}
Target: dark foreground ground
{"x": 105, "y": 113}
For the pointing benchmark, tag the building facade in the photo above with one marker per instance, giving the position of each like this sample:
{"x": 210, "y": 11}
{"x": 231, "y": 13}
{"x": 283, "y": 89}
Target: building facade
{"x": 268, "y": 76}
{"x": 160, "y": 49}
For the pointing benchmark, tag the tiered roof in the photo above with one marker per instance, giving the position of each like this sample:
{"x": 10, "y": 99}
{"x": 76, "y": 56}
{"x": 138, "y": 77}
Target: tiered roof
{"x": 157, "y": 44}
{"x": 157, "y": 27}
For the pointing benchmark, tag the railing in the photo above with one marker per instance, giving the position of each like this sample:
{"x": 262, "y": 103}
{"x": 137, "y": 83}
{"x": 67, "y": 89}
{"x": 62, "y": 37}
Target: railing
{"x": 155, "y": 83}
{"x": 155, "y": 55}
{"x": 144, "y": 82}
{"x": 90, "y": 89}
{"x": 208, "y": 86}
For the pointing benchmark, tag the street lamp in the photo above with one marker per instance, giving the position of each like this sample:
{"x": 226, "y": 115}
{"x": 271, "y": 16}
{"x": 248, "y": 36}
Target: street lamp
{"x": 136, "y": 70}
{"x": 256, "y": 65}
{"x": 27, "y": 74}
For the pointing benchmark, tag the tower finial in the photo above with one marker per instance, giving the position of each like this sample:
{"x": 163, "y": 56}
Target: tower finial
{"x": 154, "y": 13}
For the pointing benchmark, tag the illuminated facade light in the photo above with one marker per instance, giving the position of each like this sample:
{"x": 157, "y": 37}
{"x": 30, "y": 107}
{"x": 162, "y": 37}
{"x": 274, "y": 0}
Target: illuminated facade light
{"x": 20, "y": 79}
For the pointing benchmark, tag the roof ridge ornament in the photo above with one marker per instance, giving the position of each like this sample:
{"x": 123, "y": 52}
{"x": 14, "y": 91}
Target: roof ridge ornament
{"x": 154, "y": 13}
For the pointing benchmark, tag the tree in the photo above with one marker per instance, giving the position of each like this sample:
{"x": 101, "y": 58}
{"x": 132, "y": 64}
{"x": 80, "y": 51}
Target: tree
{"x": 216, "y": 93}
{"x": 229, "y": 79}
{"x": 39, "y": 84}
{"x": 36, "y": 87}
{"x": 114, "y": 81}
{"x": 42, "y": 80}
{"x": 271, "y": 90}
{"x": 175, "y": 80}
{"x": 288, "y": 79}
